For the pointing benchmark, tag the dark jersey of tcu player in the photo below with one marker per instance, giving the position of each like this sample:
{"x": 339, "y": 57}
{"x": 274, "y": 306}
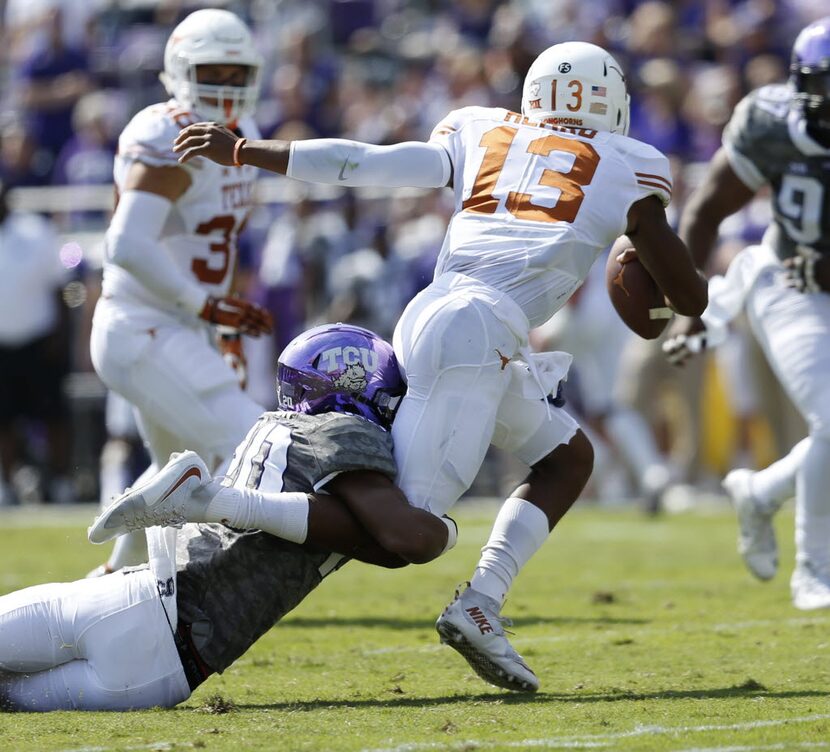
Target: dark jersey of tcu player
{"x": 147, "y": 636}
{"x": 778, "y": 135}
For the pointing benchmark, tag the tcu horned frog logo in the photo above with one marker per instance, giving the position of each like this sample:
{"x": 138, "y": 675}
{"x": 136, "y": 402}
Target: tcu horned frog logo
{"x": 353, "y": 379}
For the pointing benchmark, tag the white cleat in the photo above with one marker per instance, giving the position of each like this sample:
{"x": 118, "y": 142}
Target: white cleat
{"x": 162, "y": 500}
{"x": 756, "y": 535}
{"x": 471, "y": 624}
{"x": 810, "y": 587}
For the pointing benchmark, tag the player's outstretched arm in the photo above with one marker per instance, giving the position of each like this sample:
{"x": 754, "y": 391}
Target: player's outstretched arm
{"x": 223, "y": 146}
{"x": 720, "y": 195}
{"x": 665, "y": 257}
{"x": 333, "y": 161}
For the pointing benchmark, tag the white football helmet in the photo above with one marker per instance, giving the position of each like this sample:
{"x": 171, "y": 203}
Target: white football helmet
{"x": 577, "y": 84}
{"x": 206, "y": 37}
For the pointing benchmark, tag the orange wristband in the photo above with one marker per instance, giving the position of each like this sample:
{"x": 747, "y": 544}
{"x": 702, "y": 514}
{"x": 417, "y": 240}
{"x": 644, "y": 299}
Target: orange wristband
{"x": 240, "y": 142}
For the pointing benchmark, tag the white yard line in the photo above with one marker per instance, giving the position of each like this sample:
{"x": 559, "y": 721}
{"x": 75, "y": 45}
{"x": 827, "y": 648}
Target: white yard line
{"x": 787, "y": 746}
{"x": 160, "y": 746}
{"x": 600, "y": 740}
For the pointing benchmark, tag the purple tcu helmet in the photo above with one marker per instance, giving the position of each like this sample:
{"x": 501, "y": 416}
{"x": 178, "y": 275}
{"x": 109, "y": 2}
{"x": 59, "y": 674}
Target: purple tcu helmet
{"x": 810, "y": 75}
{"x": 340, "y": 368}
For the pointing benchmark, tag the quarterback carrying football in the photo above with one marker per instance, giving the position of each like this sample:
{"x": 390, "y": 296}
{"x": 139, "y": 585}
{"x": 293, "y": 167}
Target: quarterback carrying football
{"x": 779, "y": 135}
{"x": 538, "y": 196}
{"x": 171, "y": 254}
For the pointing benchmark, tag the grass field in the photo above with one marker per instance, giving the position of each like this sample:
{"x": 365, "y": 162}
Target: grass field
{"x": 646, "y": 635}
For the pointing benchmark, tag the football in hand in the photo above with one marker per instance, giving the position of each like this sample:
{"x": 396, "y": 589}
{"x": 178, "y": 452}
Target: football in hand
{"x": 634, "y": 294}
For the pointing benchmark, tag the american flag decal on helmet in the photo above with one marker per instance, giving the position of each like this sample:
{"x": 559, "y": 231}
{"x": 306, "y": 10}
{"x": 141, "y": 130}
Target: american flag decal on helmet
{"x": 599, "y": 91}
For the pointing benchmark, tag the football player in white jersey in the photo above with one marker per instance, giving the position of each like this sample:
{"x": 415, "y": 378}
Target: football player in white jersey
{"x": 171, "y": 255}
{"x": 779, "y": 135}
{"x": 538, "y": 196}
{"x": 320, "y": 473}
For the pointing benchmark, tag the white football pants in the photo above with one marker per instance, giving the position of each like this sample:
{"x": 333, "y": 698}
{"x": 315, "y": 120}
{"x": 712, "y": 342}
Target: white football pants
{"x": 793, "y": 329}
{"x": 96, "y": 644}
{"x": 454, "y": 340}
{"x": 185, "y": 395}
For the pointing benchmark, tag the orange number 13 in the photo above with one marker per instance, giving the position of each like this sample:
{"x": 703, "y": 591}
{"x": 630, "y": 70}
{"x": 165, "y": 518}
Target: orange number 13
{"x": 497, "y": 142}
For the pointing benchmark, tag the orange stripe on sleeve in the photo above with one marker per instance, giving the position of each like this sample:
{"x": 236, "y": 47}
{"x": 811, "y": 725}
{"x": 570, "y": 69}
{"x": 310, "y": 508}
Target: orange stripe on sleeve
{"x": 651, "y": 184}
{"x": 658, "y": 178}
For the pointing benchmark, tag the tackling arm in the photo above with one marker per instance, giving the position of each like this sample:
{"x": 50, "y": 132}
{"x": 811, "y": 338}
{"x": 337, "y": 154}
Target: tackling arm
{"x": 362, "y": 514}
{"x": 415, "y": 535}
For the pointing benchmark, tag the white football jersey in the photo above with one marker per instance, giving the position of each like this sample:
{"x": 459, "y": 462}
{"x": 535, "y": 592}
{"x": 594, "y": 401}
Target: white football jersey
{"x": 203, "y": 225}
{"x": 536, "y": 202}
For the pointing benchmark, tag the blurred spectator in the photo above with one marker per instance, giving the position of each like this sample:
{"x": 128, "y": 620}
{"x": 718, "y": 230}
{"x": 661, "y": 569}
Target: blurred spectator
{"x": 713, "y": 95}
{"x": 51, "y": 79}
{"x": 20, "y": 163}
{"x": 656, "y": 112}
{"x": 34, "y": 350}
{"x": 87, "y": 157}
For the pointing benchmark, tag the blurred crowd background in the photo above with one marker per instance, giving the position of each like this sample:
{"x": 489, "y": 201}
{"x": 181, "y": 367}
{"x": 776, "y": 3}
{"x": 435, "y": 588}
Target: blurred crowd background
{"x": 72, "y": 73}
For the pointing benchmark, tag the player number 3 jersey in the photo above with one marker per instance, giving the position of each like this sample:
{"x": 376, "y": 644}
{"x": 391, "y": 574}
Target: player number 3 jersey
{"x": 536, "y": 202}
{"x": 201, "y": 231}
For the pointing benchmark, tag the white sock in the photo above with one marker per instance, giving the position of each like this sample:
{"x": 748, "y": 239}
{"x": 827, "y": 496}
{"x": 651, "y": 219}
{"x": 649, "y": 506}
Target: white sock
{"x": 812, "y": 511}
{"x": 113, "y": 470}
{"x": 129, "y": 550}
{"x": 519, "y": 531}
{"x": 633, "y": 439}
{"x": 283, "y": 514}
{"x": 773, "y": 485}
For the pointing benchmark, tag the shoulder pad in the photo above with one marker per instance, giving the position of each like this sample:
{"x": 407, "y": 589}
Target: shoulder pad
{"x": 650, "y": 168}
{"x": 456, "y": 119}
{"x": 149, "y": 136}
{"x": 347, "y": 442}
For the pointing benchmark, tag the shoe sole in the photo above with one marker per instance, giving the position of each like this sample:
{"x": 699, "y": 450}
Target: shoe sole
{"x": 487, "y": 669}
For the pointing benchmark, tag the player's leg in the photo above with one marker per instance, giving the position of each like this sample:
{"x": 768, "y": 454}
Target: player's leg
{"x": 560, "y": 457}
{"x": 188, "y": 398}
{"x": 101, "y": 644}
{"x": 533, "y": 509}
{"x": 451, "y": 348}
{"x": 757, "y": 496}
{"x": 185, "y": 393}
{"x": 794, "y": 331}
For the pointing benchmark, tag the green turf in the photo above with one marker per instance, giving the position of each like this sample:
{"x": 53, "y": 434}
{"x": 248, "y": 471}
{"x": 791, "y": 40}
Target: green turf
{"x": 646, "y": 635}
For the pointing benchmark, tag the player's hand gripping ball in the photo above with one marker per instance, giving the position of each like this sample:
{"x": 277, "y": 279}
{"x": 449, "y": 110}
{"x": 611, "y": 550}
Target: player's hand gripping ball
{"x": 634, "y": 294}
